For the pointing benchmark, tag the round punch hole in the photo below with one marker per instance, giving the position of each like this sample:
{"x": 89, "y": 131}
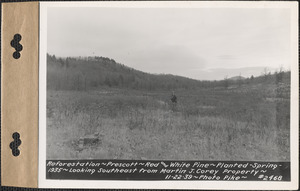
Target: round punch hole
{"x": 16, "y": 55}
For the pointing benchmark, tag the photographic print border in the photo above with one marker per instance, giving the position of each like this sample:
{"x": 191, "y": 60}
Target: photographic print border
{"x": 171, "y": 184}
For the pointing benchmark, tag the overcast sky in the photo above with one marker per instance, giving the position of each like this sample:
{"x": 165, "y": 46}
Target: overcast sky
{"x": 200, "y": 43}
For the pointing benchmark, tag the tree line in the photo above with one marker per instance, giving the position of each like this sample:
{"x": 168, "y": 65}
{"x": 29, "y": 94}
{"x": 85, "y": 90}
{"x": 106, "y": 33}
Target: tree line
{"x": 87, "y": 73}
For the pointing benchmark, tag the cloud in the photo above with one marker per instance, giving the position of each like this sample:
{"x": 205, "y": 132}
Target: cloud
{"x": 226, "y": 57}
{"x": 165, "y": 59}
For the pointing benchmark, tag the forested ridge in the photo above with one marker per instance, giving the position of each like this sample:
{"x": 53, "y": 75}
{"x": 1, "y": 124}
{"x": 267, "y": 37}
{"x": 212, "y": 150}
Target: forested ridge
{"x": 88, "y": 73}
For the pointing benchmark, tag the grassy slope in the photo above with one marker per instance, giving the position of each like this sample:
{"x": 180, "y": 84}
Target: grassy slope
{"x": 250, "y": 122}
{"x": 222, "y": 120}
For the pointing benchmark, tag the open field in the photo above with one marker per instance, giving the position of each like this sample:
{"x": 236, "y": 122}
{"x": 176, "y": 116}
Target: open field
{"x": 240, "y": 123}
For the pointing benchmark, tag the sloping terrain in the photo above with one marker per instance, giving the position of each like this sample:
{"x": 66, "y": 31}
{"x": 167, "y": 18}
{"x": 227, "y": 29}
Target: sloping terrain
{"x": 246, "y": 119}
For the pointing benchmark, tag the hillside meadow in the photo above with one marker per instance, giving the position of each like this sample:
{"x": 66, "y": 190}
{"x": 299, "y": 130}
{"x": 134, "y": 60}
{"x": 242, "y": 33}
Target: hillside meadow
{"x": 249, "y": 121}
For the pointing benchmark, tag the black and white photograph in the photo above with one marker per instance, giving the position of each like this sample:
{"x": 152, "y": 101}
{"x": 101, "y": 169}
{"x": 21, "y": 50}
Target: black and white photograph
{"x": 163, "y": 83}
{"x": 168, "y": 83}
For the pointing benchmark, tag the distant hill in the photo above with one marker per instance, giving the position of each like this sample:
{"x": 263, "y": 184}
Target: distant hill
{"x": 236, "y": 78}
{"x": 94, "y": 72}
{"x": 88, "y": 73}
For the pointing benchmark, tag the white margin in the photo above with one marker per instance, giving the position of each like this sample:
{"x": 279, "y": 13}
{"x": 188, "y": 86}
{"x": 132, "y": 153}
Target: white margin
{"x": 213, "y": 185}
